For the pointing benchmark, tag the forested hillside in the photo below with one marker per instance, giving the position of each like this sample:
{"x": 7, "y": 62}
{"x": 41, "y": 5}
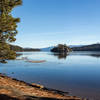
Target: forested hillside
{"x": 93, "y": 47}
{"x": 20, "y": 49}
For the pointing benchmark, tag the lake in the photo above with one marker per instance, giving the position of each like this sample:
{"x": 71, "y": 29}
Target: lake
{"x": 77, "y": 73}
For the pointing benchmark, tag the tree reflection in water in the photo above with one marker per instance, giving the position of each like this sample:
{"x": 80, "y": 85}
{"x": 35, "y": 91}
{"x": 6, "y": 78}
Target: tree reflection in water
{"x": 61, "y": 55}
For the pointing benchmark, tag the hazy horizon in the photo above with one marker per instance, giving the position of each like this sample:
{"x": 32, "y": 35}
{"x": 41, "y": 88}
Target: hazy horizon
{"x": 46, "y": 23}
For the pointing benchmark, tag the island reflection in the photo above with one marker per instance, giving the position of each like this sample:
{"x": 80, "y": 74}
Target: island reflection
{"x": 64, "y": 55}
{"x": 61, "y": 55}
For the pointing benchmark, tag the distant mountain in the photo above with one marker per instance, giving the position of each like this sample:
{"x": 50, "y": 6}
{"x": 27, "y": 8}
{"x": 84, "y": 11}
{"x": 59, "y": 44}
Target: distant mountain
{"x": 47, "y": 49}
{"x": 92, "y": 47}
{"x": 71, "y": 46}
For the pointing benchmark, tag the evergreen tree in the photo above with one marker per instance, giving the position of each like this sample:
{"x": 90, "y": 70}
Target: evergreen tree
{"x": 8, "y": 25}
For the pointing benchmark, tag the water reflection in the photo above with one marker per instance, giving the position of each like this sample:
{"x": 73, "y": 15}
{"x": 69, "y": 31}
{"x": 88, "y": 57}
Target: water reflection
{"x": 77, "y": 72}
{"x": 18, "y": 54}
{"x": 61, "y": 55}
{"x": 95, "y": 55}
{"x": 86, "y": 53}
{"x": 4, "y": 61}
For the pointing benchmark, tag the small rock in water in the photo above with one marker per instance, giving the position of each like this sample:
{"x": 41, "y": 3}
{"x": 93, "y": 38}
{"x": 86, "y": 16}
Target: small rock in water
{"x": 3, "y": 61}
{"x": 37, "y": 85}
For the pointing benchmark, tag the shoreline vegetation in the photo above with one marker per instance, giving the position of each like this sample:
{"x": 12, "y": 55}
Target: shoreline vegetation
{"x": 13, "y": 89}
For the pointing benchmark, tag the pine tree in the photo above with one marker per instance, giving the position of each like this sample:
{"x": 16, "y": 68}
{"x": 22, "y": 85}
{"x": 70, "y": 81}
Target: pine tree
{"x": 8, "y": 25}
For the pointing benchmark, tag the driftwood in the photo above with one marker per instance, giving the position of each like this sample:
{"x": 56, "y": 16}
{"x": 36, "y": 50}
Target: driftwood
{"x": 31, "y": 61}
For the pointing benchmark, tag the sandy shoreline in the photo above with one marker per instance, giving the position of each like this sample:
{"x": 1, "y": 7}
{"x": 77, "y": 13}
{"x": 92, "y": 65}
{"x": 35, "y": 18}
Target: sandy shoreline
{"x": 12, "y": 89}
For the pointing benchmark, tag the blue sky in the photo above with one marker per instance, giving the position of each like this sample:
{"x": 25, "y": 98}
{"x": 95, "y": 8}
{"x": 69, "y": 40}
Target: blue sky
{"x": 50, "y": 22}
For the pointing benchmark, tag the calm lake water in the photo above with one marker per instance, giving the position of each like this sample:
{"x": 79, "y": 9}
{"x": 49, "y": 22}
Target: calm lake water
{"x": 77, "y": 73}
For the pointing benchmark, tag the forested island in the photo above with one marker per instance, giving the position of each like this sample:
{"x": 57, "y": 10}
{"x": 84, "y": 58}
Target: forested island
{"x": 60, "y": 48}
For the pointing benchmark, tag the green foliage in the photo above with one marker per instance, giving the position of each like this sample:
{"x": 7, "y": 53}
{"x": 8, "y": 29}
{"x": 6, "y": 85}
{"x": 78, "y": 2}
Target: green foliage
{"x": 61, "y": 49}
{"x": 8, "y": 25}
{"x": 5, "y": 52}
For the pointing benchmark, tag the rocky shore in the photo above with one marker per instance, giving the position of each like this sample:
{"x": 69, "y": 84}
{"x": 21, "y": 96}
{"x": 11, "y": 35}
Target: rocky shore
{"x": 12, "y": 89}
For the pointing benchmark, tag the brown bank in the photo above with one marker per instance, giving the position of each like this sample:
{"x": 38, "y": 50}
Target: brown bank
{"x": 12, "y": 89}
